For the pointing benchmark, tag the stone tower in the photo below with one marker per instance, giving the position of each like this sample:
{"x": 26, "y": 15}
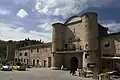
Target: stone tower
{"x": 57, "y": 44}
{"x": 91, "y": 42}
{"x": 86, "y": 29}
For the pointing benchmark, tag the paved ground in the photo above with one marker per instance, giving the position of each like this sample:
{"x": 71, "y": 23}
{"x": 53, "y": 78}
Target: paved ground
{"x": 38, "y": 74}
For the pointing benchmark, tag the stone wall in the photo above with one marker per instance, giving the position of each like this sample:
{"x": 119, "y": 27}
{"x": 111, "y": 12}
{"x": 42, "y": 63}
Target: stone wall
{"x": 37, "y": 56}
{"x": 110, "y": 45}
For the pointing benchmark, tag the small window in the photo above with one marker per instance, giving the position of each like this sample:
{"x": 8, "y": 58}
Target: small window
{"x": 107, "y": 44}
{"x": 86, "y": 55}
{"x": 25, "y": 53}
{"x": 31, "y": 50}
{"x": 20, "y": 54}
{"x": 37, "y": 49}
{"x": 66, "y": 45}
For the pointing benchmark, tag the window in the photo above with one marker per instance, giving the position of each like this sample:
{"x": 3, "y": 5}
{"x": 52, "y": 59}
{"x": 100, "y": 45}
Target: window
{"x": 107, "y": 44}
{"x": 24, "y": 60}
{"x": 31, "y": 50}
{"x": 66, "y": 45}
{"x": 18, "y": 59}
{"x": 86, "y": 55}
{"x": 37, "y": 49}
{"x": 20, "y": 54}
{"x": 25, "y": 53}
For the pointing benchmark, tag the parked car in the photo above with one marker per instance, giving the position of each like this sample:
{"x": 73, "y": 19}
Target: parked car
{"x": 6, "y": 68}
{"x": 19, "y": 67}
{"x": 15, "y": 67}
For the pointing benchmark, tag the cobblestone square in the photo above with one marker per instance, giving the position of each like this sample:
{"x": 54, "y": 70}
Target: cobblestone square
{"x": 38, "y": 74}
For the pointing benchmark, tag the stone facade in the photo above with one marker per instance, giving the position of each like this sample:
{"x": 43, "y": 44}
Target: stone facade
{"x": 110, "y": 50}
{"x": 80, "y": 41}
{"x": 77, "y": 41}
{"x": 36, "y": 55}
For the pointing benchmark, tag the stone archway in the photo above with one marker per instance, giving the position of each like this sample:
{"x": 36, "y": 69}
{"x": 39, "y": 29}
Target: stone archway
{"x": 74, "y": 63}
{"x": 37, "y": 62}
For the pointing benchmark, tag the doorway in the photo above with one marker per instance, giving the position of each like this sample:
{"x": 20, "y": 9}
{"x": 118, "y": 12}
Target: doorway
{"x": 33, "y": 62}
{"x": 49, "y": 62}
{"x": 44, "y": 63}
{"x": 37, "y": 62}
{"x": 74, "y": 63}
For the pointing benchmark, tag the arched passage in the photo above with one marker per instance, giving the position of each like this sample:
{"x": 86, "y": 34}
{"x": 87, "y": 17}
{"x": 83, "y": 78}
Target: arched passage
{"x": 37, "y": 62}
{"x": 74, "y": 63}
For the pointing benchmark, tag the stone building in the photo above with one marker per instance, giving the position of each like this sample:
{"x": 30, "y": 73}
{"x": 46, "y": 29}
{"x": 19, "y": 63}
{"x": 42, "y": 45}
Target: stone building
{"x": 35, "y": 55}
{"x": 110, "y": 51}
{"x": 81, "y": 41}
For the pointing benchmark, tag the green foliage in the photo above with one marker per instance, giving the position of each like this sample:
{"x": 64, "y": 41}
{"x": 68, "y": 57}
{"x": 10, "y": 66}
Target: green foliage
{"x": 21, "y": 43}
{"x": 3, "y": 48}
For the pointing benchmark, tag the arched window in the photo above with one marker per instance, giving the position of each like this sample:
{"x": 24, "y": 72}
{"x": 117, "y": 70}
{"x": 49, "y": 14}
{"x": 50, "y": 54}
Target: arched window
{"x": 37, "y": 49}
{"x": 25, "y": 53}
{"x": 20, "y": 54}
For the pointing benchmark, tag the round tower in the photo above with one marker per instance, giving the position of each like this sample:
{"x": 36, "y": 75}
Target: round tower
{"x": 91, "y": 56}
{"x": 57, "y": 44}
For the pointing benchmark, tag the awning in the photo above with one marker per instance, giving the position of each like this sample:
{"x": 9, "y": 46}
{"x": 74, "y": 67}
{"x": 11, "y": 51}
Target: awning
{"x": 110, "y": 57}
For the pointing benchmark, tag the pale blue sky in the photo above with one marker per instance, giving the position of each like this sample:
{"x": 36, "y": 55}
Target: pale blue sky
{"x": 20, "y": 19}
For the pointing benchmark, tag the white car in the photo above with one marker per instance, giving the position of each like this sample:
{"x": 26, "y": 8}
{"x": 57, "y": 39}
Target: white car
{"x": 6, "y": 68}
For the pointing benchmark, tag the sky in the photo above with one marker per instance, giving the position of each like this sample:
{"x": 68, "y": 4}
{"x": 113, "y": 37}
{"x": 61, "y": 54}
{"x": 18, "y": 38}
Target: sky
{"x": 20, "y": 19}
